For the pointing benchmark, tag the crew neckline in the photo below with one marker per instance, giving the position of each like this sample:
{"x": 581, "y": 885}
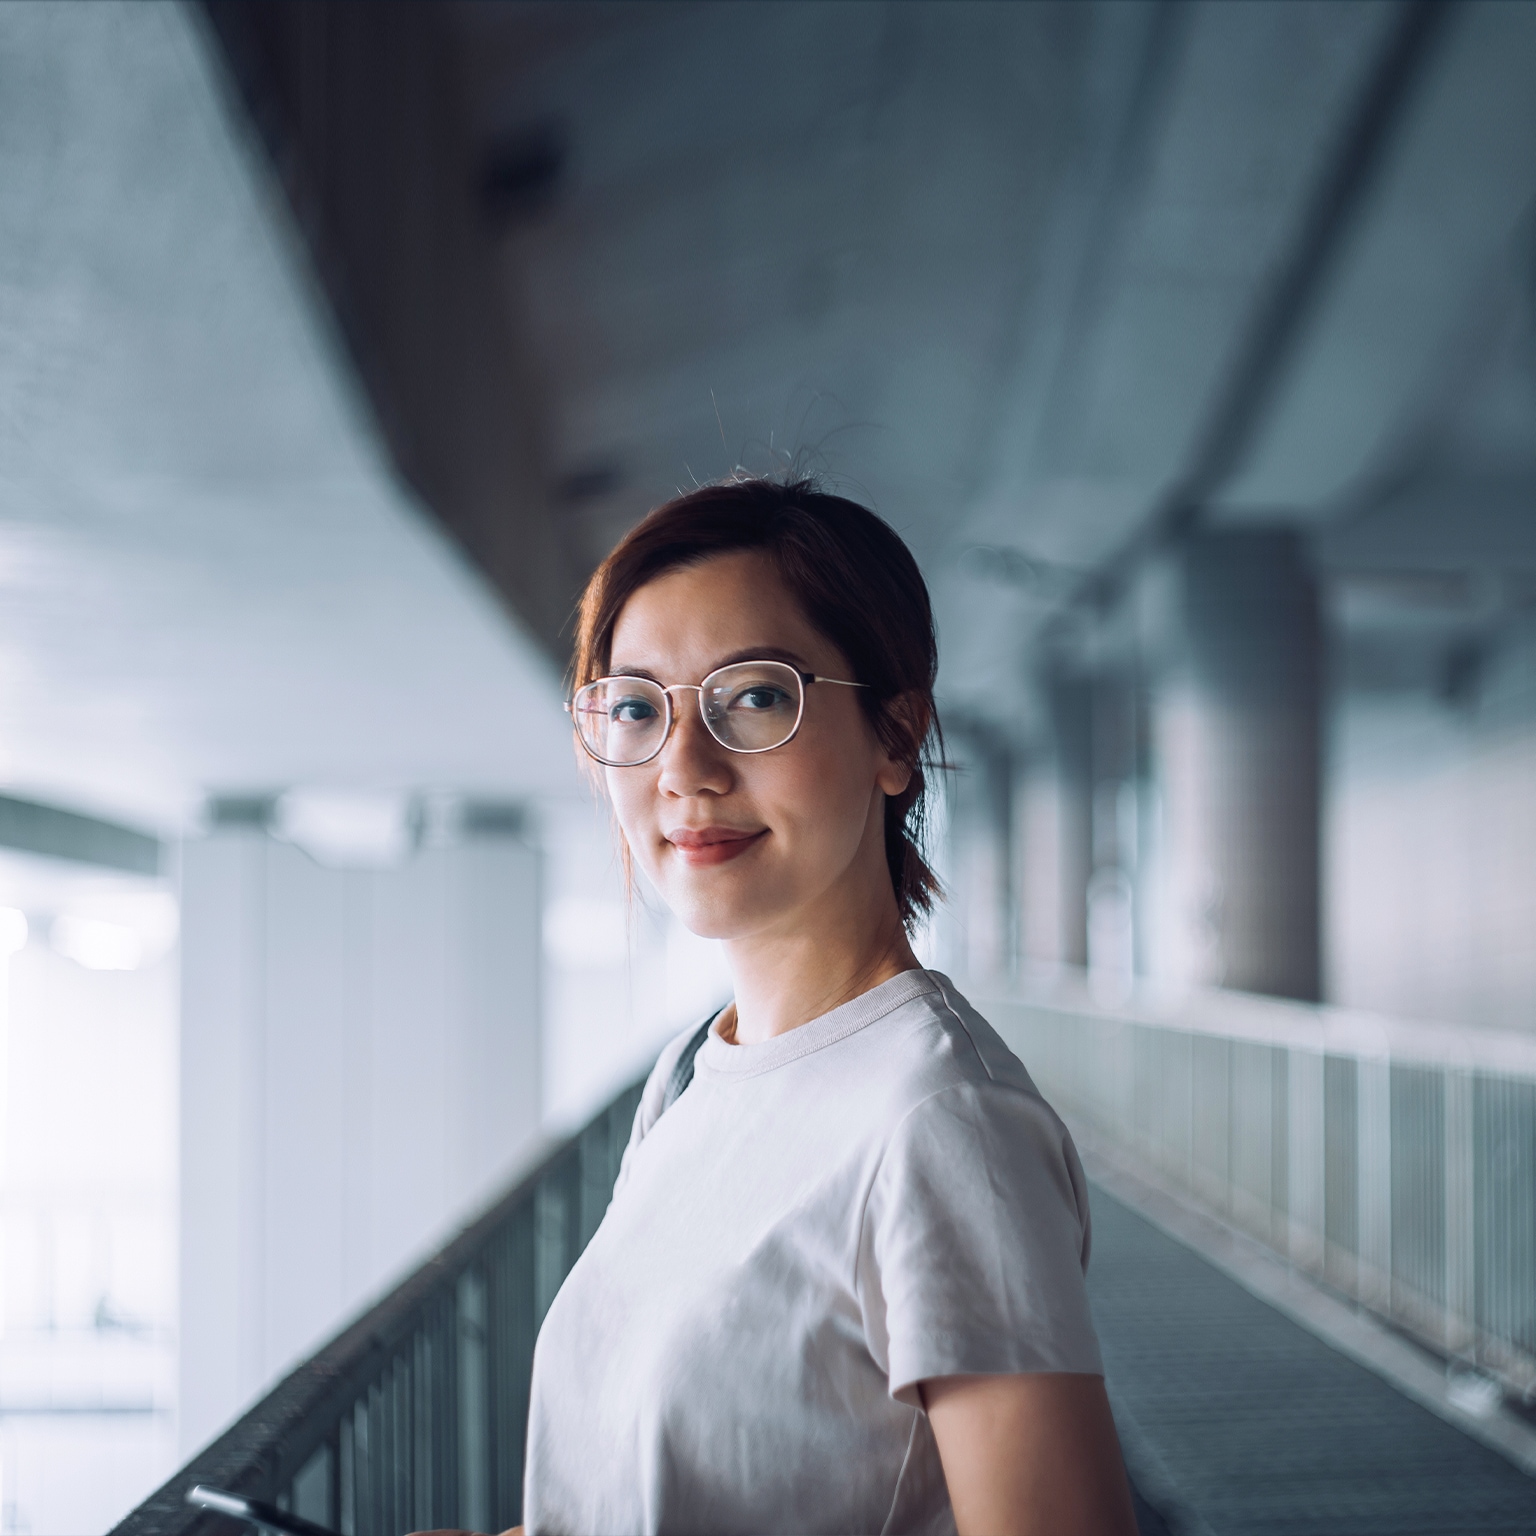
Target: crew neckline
{"x": 719, "y": 1058}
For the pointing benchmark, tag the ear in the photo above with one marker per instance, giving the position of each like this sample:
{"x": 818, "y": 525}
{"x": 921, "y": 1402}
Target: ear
{"x": 909, "y": 716}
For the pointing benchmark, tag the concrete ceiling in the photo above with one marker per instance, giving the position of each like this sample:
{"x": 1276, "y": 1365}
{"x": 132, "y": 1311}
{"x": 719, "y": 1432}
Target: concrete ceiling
{"x": 1040, "y": 279}
{"x": 211, "y": 579}
{"x": 1044, "y": 283}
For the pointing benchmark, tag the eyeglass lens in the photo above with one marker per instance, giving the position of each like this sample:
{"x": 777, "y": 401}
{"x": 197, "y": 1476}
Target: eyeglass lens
{"x": 752, "y": 706}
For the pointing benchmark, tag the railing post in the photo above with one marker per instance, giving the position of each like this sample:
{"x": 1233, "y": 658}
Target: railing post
{"x": 1306, "y": 1227}
{"x": 474, "y": 1405}
{"x": 1279, "y": 1146}
{"x": 1460, "y": 1215}
{"x": 346, "y": 1476}
{"x": 1210, "y": 1134}
{"x": 1373, "y": 1082}
{"x": 1255, "y": 1142}
{"x": 514, "y": 1327}
{"x": 314, "y": 1487}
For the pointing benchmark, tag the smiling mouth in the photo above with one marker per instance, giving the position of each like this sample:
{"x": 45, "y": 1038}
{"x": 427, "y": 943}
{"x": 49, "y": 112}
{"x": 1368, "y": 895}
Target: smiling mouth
{"x": 712, "y": 845}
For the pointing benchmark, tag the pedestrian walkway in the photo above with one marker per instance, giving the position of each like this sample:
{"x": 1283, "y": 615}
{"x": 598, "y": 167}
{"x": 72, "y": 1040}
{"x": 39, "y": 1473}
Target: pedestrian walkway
{"x": 1238, "y": 1422}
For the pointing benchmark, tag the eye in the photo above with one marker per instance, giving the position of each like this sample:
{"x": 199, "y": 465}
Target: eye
{"x": 760, "y": 696}
{"x": 631, "y": 711}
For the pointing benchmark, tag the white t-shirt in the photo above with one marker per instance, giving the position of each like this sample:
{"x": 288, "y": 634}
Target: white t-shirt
{"x": 815, "y": 1226}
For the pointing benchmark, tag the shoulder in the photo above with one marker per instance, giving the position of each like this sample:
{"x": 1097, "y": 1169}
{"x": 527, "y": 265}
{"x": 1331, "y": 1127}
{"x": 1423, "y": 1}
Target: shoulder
{"x": 938, "y": 1041}
{"x": 966, "y": 1104}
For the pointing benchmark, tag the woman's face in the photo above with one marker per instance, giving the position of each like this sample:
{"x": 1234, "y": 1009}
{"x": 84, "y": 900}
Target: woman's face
{"x": 742, "y": 845}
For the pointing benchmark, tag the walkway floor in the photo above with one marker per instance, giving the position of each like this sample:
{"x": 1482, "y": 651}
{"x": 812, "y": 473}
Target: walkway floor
{"x": 1238, "y": 1422}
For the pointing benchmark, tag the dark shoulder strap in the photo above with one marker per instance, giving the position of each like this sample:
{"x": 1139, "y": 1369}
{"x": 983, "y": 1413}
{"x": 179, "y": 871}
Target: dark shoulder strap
{"x": 682, "y": 1068}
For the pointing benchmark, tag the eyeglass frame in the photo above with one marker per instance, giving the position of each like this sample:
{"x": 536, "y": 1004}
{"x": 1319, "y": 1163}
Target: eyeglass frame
{"x": 668, "y": 689}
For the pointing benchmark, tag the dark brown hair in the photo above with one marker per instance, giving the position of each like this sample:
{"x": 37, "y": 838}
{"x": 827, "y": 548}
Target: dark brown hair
{"x": 859, "y": 587}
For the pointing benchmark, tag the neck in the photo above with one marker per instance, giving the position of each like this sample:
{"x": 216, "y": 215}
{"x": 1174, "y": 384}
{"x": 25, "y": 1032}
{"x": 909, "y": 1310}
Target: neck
{"x": 786, "y": 979}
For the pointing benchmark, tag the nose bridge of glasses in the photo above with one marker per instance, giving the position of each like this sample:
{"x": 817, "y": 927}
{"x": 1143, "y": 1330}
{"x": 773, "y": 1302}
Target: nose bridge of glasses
{"x": 680, "y": 719}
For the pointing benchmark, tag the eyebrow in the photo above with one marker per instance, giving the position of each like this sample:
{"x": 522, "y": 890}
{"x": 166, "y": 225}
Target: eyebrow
{"x": 750, "y": 653}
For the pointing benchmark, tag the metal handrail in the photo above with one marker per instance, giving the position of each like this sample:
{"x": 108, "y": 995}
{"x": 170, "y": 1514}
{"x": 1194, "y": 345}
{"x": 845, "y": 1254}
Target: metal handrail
{"x": 414, "y": 1416}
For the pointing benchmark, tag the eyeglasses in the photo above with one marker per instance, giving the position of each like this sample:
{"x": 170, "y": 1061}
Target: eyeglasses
{"x": 749, "y": 706}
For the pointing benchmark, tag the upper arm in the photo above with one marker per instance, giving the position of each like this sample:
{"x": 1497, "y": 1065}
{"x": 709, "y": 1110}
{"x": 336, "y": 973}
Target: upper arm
{"x": 972, "y": 1244}
{"x": 1030, "y": 1455}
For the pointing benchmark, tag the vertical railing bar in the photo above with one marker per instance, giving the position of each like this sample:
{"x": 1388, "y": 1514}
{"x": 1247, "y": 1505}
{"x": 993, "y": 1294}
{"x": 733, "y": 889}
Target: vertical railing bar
{"x": 378, "y": 1515}
{"x": 405, "y": 1465}
{"x": 421, "y": 1430}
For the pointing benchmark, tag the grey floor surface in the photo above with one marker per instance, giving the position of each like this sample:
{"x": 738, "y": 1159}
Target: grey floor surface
{"x": 1238, "y": 1422}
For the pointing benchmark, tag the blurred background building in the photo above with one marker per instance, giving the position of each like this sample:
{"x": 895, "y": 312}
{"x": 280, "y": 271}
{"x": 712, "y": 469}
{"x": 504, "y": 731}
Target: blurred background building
{"x": 1192, "y": 348}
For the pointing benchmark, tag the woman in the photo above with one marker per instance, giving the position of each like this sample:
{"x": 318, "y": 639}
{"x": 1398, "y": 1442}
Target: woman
{"x": 840, "y": 1285}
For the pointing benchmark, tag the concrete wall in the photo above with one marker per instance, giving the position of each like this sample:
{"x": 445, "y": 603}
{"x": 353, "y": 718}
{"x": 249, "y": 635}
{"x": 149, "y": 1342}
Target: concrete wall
{"x": 1431, "y": 850}
{"x": 360, "y": 1065}
{"x": 87, "y": 1210}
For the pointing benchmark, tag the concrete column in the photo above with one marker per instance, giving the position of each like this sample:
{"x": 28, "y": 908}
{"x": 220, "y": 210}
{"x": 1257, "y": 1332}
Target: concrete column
{"x": 360, "y": 1068}
{"x": 1056, "y": 821}
{"x": 1237, "y": 733}
{"x": 1115, "y": 768}
{"x": 981, "y": 902}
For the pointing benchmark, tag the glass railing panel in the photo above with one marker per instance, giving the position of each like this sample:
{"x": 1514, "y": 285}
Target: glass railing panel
{"x": 1392, "y": 1160}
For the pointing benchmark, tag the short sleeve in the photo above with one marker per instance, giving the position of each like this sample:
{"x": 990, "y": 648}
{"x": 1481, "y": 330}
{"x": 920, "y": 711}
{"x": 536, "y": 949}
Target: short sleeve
{"x": 974, "y": 1243}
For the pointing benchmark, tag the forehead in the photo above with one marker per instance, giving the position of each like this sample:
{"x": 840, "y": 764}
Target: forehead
{"x": 699, "y": 614}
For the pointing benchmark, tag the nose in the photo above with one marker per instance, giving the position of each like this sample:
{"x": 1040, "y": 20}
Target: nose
{"x": 692, "y": 761}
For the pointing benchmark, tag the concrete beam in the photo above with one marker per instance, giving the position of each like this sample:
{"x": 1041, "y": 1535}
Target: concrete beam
{"x": 57, "y": 834}
{"x": 360, "y": 109}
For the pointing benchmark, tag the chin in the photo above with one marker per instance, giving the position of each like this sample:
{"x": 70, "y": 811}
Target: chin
{"x": 712, "y": 919}
{"x": 707, "y": 927}
{"x": 719, "y": 914}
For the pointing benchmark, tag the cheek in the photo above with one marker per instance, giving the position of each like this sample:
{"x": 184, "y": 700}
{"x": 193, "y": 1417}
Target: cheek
{"x": 632, "y": 794}
{"x": 824, "y": 794}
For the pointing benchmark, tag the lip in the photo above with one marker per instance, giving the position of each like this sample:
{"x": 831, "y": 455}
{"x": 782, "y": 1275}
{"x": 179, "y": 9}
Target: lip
{"x": 702, "y": 846}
